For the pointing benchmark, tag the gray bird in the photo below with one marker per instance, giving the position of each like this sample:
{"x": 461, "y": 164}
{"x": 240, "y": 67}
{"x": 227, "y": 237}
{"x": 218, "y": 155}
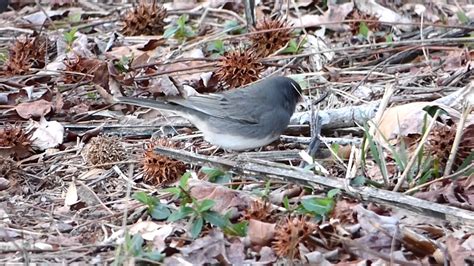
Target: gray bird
{"x": 239, "y": 119}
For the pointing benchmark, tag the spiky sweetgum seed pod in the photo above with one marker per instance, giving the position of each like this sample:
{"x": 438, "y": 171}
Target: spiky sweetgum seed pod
{"x": 103, "y": 150}
{"x": 146, "y": 19}
{"x": 258, "y": 211}
{"x": 290, "y": 234}
{"x": 237, "y": 68}
{"x": 159, "y": 169}
{"x": 266, "y": 43}
{"x": 439, "y": 143}
{"x": 26, "y": 52}
{"x": 14, "y": 136}
{"x": 466, "y": 146}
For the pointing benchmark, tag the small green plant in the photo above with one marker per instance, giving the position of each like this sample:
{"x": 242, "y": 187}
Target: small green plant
{"x": 293, "y": 47}
{"x": 70, "y": 37}
{"x": 200, "y": 212}
{"x": 319, "y": 207}
{"x": 462, "y": 17}
{"x": 133, "y": 246}
{"x": 216, "y": 175}
{"x": 74, "y": 18}
{"x": 364, "y": 29}
{"x": 3, "y": 57}
{"x": 123, "y": 65}
{"x": 233, "y": 27}
{"x": 216, "y": 47}
{"x": 92, "y": 95}
{"x": 180, "y": 29}
{"x": 181, "y": 190}
{"x": 155, "y": 208}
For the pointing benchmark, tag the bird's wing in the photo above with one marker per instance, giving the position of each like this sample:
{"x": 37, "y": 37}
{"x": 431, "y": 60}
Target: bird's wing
{"x": 223, "y": 106}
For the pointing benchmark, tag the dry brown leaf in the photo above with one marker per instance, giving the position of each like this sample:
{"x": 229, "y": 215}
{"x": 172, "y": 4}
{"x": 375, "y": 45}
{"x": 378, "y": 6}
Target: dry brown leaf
{"x": 407, "y": 119}
{"x": 456, "y": 251}
{"x": 260, "y": 233}
{"x": 333, "y": 14}
{"x": 223, "y": 197}
{"x": 34, "y": 109}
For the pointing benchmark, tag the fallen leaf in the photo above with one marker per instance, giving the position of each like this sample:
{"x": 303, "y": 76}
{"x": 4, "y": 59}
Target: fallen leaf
{"x": 224, "y": 198}
{"x": 34, "y": 109}
{"x": 372, "y": 8}
{"x": 407, "y": 119}
{"x": 260, "y": 233}
{"x": 47, "y": 134}
{"x": 71, "y": 195}
{"x": 153, "y": 231}
{"x": 456, "y": 251}
{"x": 206, "y": 250}
{"x": 335, "y": 13}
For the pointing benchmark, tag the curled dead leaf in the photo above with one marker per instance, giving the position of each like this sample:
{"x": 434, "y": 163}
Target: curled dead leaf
{"x": 33, "y": 109}
{"x": 260, "y": 233}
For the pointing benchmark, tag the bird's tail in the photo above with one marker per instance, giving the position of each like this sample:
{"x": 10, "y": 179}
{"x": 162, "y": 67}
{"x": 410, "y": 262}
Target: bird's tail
{"x": 155, "y": 104}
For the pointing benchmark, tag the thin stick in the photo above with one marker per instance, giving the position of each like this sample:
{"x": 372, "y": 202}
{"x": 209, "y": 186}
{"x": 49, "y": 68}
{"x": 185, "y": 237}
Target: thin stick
{"x": 457, "y": 139}
{"x": 465, "y": 169}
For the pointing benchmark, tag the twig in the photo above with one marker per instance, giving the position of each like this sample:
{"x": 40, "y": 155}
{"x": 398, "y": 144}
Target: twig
{"x": 457, "y": 139}
{"x": 383, "y": 105}
{"x": 96, "y": 197}
{"x": 465, "y": 169}
{"x": 296, "y": 175}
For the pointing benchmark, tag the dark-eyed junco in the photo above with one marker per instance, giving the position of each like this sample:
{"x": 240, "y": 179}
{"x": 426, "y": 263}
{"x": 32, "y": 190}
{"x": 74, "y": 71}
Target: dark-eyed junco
{"x": 239, "y": 119}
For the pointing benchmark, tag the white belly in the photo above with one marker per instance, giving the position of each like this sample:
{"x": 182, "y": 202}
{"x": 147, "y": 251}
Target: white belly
{"x": 236, "y": 143}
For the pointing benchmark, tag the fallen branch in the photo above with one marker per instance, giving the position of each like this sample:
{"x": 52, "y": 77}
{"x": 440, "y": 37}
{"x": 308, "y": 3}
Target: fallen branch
{"x": 297, "y": 175}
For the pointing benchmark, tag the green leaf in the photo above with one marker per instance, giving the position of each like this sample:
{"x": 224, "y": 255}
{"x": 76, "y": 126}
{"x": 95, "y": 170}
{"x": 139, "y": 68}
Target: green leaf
{"x": 196, "y": 227}
{"x": 320, "y": 206}
{"x": 181, "y": 22}
{"x": 465, "y": 163}
{"x": 377, "y": 153}
{"x": 170, "y": 32}
{"x": 212, "y": 173}
{"x": 69, "y": 36}
{"x": 159, "y": 212}
{"x": 153, "y": 255}
{"x": 333, "y": 192}
{"x": 215, "y": 218}
{"x": 358, "y": 181}
{"x": 431, "y": 110}
{"x": 291, "y": 48}
{"x": 3, "y": 57}
{"x": 141, "y": 197}
{"x": 237, "y": 229}
{"x": 180, "y": 214}
{"x": 216, "y": 46}
{"x": 425, "y": 177}
{"x": 136, "y": 244}
{"x": 205, "y": 205}
{"x": 462, "y": 17}
{"x": 363, "y": 29}
{"x": 389, "y": 38}
{"x": 173, "y": 190}
{"x": 183, "y": 182}
{"x": 233, "y": 27}
{"x": 76, "y": 17}
{"x": 286, "y": 203}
